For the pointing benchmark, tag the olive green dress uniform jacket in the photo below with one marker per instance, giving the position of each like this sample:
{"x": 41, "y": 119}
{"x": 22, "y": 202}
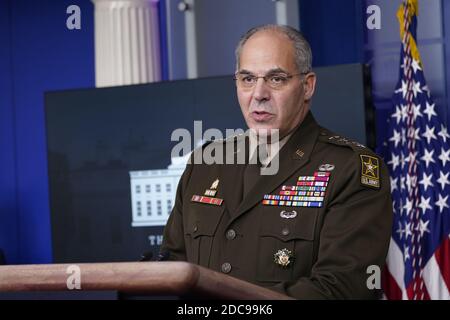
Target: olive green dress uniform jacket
{"x": 332, "y": 246}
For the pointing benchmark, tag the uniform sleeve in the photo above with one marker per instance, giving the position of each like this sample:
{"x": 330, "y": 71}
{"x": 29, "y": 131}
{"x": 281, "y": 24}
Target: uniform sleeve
{"x": 173, "y": 246}
{"x": 355, "y": 234}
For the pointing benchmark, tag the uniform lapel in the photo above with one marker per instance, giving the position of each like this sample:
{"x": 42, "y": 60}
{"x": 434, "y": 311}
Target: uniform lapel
{"x": 294, "y": 155}
{"x": 232, "y": 175}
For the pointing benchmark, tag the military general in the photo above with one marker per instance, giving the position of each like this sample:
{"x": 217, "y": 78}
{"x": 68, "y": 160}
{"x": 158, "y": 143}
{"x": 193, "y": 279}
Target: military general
{"x": 309, "y": 230}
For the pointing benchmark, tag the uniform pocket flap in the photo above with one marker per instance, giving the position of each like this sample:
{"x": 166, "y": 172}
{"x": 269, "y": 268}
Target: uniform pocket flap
{"x": 291, "y": 234}
{"x": 204, "y": 221}
{"x": 300, "y": 227}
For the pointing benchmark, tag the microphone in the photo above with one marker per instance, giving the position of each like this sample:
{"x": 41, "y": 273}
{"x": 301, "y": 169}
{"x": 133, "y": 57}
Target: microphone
{"x": 163, "y": 256}
{"x": 146, "y": 256}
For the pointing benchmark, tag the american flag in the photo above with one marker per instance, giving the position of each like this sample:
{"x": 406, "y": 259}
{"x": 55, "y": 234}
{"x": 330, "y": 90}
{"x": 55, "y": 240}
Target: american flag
{"x": 418, "y": 156}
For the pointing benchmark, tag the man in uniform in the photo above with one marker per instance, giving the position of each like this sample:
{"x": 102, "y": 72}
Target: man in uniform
{"x": 313, "y": 229}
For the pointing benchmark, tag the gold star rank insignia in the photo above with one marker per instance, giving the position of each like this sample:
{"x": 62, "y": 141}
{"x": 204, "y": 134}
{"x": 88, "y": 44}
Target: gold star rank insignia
{"x": 370, "y": 171}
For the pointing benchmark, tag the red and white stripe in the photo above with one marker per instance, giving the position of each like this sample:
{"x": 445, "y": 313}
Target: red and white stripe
{"x": 435, "y": 276}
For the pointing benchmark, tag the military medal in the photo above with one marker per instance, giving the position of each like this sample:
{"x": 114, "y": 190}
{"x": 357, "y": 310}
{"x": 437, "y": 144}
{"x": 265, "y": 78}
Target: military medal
{"x": 309, "y": 192}
{"x": 303, "y": 188}
{"x": 302, "y": 193}
{"x": 207, "y": 200}
{"x": 208, "y": 197}
{"x": 290, "y": 198}
{"x": 283, "y": 258}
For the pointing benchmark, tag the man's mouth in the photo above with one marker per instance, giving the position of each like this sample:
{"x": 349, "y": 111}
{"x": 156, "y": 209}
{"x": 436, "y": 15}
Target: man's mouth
{"x": 261, "y": 116}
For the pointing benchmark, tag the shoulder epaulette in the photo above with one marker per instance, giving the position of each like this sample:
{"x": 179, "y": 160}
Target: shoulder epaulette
{"x": 338, "y": 140}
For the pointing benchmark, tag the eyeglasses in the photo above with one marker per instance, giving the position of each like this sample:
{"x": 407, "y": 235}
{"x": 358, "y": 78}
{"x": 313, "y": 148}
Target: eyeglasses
{"x": 273, "y": 80}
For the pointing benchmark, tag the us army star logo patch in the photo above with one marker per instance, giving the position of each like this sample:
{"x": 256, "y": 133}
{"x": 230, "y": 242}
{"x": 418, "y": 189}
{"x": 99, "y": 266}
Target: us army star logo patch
{"x": 370, "y": 171}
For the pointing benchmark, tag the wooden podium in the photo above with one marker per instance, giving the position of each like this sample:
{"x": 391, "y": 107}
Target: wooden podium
{"x": 175, "y": 279}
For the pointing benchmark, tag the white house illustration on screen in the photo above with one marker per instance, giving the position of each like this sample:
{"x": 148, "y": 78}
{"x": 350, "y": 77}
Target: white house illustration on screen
{"x": 153, "y": 193}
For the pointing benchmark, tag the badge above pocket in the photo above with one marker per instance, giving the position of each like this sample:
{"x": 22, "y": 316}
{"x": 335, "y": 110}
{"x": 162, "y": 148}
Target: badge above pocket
{"x": 208, "y": 197}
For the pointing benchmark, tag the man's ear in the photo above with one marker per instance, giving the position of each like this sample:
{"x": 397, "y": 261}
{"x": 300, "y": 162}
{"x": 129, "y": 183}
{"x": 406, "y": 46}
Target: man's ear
{"x": 309, "y": 85}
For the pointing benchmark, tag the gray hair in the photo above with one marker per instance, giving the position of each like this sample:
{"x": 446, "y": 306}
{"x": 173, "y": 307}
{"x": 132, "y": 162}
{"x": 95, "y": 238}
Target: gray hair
{"x": 303, "y": 54}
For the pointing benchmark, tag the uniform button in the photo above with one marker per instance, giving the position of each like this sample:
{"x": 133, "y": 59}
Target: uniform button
{"x": 231, "y": 234}
{"x": 195, "y": 228}
{"x": 285, "y": 231}
{"x": 226, "y": 267}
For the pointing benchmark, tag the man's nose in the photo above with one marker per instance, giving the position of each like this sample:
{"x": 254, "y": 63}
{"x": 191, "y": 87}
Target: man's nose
{"x": 261, "y": 91}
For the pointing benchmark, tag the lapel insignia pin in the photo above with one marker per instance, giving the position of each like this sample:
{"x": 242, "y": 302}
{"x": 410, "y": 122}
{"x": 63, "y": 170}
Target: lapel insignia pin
{"x": 283, "y": 258}
{"x": 326, "y": 167}
{"x": 288, "y": 214}
{"x": 300, "y": 153}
